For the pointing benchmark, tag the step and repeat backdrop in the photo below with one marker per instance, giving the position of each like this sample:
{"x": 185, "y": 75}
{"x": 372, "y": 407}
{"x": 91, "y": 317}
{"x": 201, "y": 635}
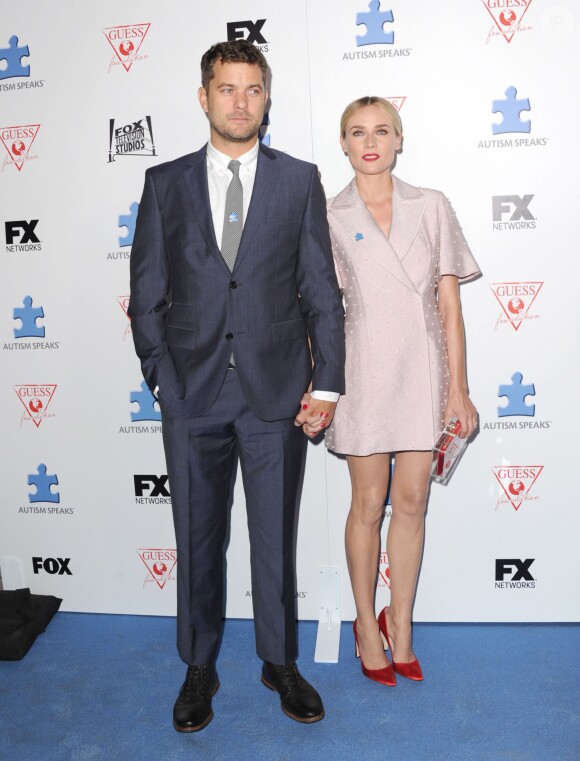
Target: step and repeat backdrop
{"x": 92, "y": 96}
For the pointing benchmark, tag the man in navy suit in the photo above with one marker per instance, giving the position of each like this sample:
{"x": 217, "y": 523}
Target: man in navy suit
{"x": 231, "y": 333}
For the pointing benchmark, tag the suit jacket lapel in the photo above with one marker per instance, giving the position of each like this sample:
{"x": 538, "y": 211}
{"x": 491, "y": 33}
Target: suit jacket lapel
{"x": 408, "y": 209}
{"x": 196, "y": 176}
{"x": 267, "y": 171}
{"x": 351, "y": 211}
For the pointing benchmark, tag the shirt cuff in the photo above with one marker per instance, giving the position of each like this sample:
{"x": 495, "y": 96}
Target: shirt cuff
{"x": 326, "y": 396}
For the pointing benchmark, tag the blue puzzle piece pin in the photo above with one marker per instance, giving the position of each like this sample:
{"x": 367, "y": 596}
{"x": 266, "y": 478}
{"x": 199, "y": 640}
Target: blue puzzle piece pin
{"x": 359, "y": 236}
{"x": 28, "y": 316}
{"x": 233, "y": 217}
{"x": 43, "y": 484}
{"x": 516, "y": 394}
{"x": 374, "y": 20}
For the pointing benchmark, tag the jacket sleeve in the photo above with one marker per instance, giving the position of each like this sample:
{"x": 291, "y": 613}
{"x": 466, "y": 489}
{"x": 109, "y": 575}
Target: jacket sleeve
{"x": 318, "y": 287}
{"x": 150, "y": 294}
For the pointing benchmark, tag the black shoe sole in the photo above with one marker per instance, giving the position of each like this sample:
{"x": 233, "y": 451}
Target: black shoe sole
{"x": 204, "y": 723}
{"x": 301, "y": 719}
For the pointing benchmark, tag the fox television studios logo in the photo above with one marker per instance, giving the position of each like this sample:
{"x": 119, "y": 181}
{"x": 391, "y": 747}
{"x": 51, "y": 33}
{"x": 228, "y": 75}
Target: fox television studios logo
{"x": 507, "y": 18}
{"x": 375, "y": 34}
{"x": 126, "y": 42}
{"x": 132, "y": 139}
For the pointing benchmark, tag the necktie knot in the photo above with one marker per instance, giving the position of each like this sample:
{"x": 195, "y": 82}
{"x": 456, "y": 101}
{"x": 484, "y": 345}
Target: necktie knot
{"x": 234, "y": 167}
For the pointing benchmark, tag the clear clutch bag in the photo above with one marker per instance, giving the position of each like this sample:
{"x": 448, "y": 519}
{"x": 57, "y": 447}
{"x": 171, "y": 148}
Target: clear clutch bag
{"x": 447, "y": 451}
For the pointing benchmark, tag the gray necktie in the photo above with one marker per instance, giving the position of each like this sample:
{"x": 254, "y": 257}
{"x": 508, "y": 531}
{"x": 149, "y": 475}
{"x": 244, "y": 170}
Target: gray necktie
{"x": 233, "y": 217}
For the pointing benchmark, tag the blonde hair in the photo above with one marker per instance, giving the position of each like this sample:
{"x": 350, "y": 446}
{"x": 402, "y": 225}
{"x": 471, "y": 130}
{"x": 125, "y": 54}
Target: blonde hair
{"x": 370, "y": 100}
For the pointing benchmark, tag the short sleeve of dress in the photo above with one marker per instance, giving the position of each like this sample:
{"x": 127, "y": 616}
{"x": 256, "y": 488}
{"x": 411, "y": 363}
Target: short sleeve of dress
{"x": 455, "y": 257}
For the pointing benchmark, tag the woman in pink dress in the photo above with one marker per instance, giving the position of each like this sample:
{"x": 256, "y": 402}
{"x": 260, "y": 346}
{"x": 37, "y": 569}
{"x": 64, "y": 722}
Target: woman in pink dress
{"x": 400, "y": 254}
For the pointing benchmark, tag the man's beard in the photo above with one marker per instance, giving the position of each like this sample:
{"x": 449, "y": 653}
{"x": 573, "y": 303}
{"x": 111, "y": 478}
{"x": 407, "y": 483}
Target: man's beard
{"x": 236, "y": 137}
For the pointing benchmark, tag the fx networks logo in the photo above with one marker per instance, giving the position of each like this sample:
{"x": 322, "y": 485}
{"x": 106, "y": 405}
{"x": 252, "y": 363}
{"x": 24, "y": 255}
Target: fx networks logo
{"x": 374, "y": 28}
{"x": 515, "y": 300}
{"x": 49, "y": 500}
{"x": 151, "y": 490}
{"x": 53, "y": 566}
{"x": 159, "y": 564}
{"x": 26, "y": 317}
{"x": 126, "y": 225}
{"x": 384, "y": 575}
{"x": 147, "y": 409}
{"x": 516, "y": 482}
{"x": 18, "y": 140}
{"x": 21, "y": 236}
{"x": 13, "y": 66}
{"x": 35, "y": 400}
{"x": 133, "y": 139}
{"x": 251, "y": 31}
{"x": 512, "y": 213}
{"x": 510, "y": 108}
{"x": 126, "y": 42}
{"x": 507, "y": 16}
{"x": 518, "y": 572}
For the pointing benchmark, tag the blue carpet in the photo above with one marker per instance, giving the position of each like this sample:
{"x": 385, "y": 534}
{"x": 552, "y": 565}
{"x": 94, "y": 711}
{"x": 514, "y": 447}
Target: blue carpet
{"x": 102, "y": 687}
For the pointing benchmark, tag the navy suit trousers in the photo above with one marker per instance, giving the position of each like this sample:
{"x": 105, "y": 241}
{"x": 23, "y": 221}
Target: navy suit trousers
{"x": 201, "y": 454}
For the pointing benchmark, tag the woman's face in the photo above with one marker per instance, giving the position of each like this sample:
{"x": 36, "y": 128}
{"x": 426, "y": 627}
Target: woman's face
{"x": 371, "y": 141}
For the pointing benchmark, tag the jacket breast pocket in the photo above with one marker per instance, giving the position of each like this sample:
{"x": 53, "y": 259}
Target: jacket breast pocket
{"x": 180, "y": 338}
{"x": 289, "y": 330}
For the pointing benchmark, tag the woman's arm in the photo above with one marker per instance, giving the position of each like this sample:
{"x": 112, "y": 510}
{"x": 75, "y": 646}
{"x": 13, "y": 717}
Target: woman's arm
{"x": 459, "y": 404}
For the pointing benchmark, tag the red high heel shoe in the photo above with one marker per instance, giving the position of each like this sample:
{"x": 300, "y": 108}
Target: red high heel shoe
{"x": 411, "y": 670}
{"x": 385, "y": 675}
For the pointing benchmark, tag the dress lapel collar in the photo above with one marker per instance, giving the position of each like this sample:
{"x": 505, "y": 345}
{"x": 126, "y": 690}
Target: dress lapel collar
{"x": 408, "y": 209}
{"x": 351, "y": 212}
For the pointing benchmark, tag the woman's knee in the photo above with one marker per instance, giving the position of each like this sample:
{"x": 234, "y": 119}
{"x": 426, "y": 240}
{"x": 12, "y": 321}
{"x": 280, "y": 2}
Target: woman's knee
{"x": 410, "y": 502}
{"x": 368, "y": 507}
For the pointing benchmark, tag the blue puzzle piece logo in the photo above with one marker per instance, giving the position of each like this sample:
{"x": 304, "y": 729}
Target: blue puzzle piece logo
{"x": 374, "y": 19}
{"x": 516, "y": 393}
{"x": 13, "y": 55}
{"x": 146, "y": 402}
{"x": 128, "y": 221}
{"x": 28, "y": 315}
{"x": 43, "y": 483}
{"x": 510, "y": 109}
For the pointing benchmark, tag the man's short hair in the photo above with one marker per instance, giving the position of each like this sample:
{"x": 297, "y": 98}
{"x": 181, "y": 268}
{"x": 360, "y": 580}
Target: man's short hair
{"x": 234, "y": 51}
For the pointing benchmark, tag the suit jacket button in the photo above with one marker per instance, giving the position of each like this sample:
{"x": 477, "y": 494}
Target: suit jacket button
{"x": 233, "y": 284}
{"x": 229, "y": 336}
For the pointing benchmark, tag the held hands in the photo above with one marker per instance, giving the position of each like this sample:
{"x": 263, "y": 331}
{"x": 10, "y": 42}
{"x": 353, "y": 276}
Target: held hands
{"x": 315, "y": 415}
{"x": 460, "y": 406}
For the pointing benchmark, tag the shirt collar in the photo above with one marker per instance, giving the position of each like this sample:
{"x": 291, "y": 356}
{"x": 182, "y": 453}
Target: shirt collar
{"x": 220, "y": 160}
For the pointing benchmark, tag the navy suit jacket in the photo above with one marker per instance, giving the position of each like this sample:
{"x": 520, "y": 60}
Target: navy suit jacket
{"x": 189, "y": 312}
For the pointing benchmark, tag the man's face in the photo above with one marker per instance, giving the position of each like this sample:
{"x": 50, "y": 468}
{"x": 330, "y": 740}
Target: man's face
{"x": 234, "y": 103}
